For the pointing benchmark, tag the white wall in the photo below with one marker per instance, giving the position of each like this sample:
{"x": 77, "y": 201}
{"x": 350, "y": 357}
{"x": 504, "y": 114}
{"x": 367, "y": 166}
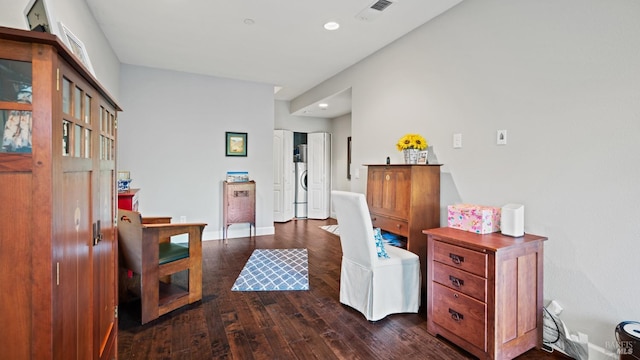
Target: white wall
{"x": 563, "y": 78}
{"x": 172, "y": 140}
{"x": 304, "y": 124}
{"x": 75, "y": 15}
{"x": 341, "y": 130}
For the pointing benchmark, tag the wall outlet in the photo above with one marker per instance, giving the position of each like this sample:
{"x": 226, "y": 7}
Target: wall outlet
{"x": 501, "y": 137}
{"x": 457, "y": 141}
{"x": 183, "y": 219}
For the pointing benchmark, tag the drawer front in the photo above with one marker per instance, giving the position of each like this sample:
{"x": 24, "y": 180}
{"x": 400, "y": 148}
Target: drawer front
{"x": 391, "y": 225}
{"x": 456, "y": 279}
{"x": 468, "y": 260}
{"x": 460, "y": 314}
{"x": 240, "y": 190}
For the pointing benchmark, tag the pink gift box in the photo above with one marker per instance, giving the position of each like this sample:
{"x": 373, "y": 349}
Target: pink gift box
{"x": 474, "y": 218}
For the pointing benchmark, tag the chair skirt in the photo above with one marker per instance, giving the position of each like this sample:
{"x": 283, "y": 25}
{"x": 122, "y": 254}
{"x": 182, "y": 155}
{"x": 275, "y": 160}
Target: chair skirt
{"x": 391, "y": 286}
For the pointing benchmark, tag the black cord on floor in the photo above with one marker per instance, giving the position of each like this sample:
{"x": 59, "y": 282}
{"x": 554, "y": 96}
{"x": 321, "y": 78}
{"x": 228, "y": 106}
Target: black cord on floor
{"x": 557, "y": 328}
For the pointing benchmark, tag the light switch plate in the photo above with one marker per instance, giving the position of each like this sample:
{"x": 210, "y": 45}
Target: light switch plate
{"x": 501, "y": 137}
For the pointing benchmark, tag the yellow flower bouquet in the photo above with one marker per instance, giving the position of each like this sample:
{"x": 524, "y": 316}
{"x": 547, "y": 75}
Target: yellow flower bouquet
{"x": 412, "y": 141}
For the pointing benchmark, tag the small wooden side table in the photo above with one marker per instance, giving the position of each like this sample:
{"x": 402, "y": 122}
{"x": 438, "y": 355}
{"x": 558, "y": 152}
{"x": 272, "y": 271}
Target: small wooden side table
{"x": 128, "y": 200}
{"x": 239, "y": 205}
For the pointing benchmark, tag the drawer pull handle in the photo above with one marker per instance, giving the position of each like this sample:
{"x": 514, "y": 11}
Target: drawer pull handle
{"x": 456, "y": 316}
{"x": 457, "y": 259}
{"x": 240, "y": 193}
{"x": 455, "y": 281}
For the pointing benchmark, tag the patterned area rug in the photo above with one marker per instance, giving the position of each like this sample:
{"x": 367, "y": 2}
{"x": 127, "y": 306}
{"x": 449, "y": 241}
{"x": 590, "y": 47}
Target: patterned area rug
{"x": 331, "y": 228}
{"x": 274, "y": 270}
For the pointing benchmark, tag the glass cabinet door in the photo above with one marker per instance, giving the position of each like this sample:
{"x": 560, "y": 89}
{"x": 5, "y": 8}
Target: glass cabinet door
{"x": 76, "y": 124}
{"x": 15, "y": 106}
{"x": 107, "y": 134}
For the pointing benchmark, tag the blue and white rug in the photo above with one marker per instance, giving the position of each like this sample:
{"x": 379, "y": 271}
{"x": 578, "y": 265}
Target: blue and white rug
{"x": 274, "y": 270}
{"x": 334, "y": 229}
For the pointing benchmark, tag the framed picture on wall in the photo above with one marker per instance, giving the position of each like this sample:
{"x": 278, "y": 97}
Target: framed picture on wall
{"x": 76, "y": 46}
{"x": 236, "y": 144}
{"x": 40, "y": 17}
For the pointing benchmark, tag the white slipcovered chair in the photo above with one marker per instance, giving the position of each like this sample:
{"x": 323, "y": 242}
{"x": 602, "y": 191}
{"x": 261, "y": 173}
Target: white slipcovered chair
{"x": 374, "y": 286}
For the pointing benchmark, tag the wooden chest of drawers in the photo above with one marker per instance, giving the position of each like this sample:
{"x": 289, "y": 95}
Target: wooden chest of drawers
{"x": 484, "y": 292}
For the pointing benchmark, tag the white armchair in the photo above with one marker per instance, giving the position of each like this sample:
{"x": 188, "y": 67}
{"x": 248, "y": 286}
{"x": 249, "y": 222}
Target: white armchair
{"x": 374, "y": 286}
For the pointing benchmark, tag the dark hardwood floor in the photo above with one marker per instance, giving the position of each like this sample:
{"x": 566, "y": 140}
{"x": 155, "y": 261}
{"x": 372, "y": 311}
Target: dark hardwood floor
{"x": 283, "y": 324}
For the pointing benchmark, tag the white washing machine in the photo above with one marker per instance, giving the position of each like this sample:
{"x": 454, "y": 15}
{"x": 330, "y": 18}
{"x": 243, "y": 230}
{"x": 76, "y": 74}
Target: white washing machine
{"x": 300, "y": 202}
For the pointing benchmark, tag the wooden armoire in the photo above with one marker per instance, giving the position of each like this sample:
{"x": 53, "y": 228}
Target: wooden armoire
{"x": 58, "y": 246}
{"x": 405, "y": 199}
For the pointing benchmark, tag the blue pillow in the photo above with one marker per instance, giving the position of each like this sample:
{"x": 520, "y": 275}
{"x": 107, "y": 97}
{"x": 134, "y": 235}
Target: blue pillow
{"x": 377, "y": 235}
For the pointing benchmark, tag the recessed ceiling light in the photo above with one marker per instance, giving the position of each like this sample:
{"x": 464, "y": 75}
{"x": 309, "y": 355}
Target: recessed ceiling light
{"x": 323, "y": 106}
{"x": 331, "y": 25}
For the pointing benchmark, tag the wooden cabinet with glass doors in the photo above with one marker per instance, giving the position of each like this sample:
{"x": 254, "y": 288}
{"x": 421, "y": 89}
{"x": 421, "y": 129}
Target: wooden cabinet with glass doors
{"x": 58, "y": 257}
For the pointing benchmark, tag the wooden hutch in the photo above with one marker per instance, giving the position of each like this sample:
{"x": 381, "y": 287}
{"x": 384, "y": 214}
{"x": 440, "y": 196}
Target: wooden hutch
{"x": 404, "y": 200}
{"x": 58, "y": 263}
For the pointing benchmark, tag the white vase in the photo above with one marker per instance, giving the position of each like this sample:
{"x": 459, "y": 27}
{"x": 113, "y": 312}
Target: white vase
{"x": 410, "y": 156}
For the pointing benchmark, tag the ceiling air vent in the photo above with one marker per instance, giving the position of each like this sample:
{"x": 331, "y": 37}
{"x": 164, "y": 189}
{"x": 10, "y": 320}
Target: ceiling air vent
{"x": 380, "y": 5}
{"x": 374, "y": 10}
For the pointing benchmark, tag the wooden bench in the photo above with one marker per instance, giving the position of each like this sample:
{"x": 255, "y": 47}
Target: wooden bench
{"x": 146, "y": 249}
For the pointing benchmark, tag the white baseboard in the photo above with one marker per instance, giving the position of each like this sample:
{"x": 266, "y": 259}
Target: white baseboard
{"x": 236, "y": 232}
{"x": 599, "y": 353}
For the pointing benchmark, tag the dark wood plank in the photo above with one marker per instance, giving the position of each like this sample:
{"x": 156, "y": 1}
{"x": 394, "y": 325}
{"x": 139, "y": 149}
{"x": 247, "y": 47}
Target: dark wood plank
{"x": 279, "y": 324}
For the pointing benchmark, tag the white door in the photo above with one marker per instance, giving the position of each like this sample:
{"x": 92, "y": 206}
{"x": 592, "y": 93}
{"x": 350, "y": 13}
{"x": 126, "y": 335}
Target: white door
{"x": 319, "y": 175}
{"x": 283, "y": 176}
